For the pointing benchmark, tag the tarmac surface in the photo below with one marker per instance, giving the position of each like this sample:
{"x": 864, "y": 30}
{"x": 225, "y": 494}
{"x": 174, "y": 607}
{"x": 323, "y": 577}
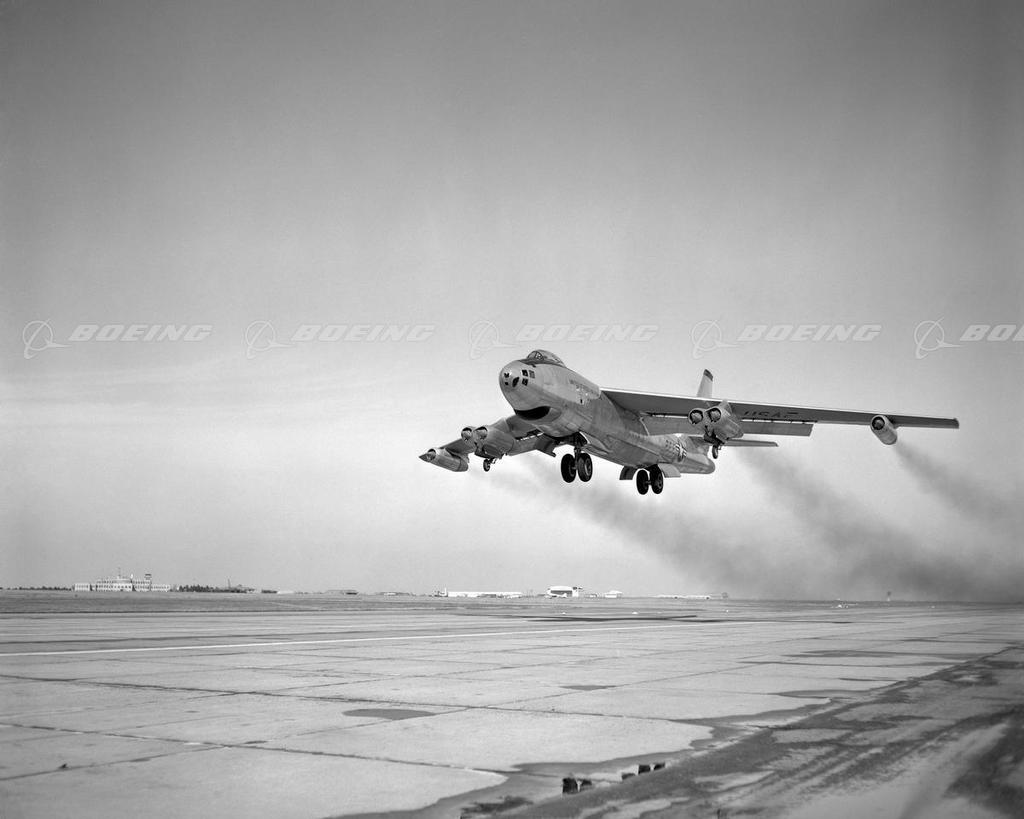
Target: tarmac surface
{"x": 318, "y": 706}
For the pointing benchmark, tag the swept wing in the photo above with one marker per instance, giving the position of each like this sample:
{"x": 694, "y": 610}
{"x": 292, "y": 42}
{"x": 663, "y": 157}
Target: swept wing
{"x": 758, "y": 418}
{"x": 507, "y": 436}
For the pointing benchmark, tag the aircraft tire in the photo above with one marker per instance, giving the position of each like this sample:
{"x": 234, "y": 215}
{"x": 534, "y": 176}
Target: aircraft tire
{"x": 568, "y": 467}
{"x": 643, "y": 481}
{"x": 584, "y": 467}
{"x": 657, "y": 480}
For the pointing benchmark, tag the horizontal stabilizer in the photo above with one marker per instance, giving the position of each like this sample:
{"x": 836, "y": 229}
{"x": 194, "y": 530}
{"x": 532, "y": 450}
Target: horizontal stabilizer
{"x": 748, "y": 442}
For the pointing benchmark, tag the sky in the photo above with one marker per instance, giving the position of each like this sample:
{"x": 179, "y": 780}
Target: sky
{"x": 351, "y": 215}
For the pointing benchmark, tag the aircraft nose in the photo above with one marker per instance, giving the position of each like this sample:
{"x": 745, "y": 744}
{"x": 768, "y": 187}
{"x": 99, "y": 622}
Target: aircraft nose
{"x": 514, "y": 376}
{"x": 515, "y": 380}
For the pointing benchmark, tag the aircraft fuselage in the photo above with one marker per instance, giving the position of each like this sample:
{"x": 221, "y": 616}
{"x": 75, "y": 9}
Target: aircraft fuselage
{"x": 562, "y": 403}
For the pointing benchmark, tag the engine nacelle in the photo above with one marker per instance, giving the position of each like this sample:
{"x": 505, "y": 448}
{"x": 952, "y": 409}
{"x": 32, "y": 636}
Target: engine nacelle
{"x": 718, "y": 422}
{"x": 724, "y": 424}
{"x": 883, "y": 429}
{"x": 445, "y": 459}
{"x": 492, "y": 441}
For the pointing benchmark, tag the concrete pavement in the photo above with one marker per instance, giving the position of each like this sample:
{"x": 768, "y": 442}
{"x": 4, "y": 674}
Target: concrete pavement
{"x": 341, "y": 707}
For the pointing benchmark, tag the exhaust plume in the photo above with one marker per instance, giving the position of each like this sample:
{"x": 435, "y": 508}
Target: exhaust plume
{"x": 871, "y": 552}
{"x": 843, "y": 547}
{"x": 716, "y": 552}
{"x": 960, "y": 492}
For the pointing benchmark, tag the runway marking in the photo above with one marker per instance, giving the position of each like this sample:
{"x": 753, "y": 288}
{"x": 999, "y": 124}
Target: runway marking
{"x": 339, "y": 640}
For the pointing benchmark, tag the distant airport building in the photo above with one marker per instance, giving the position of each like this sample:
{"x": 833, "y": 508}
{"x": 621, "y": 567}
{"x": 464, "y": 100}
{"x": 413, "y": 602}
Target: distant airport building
{"x": 565, "y": 591}
{"x": 614, "y": 594}
{"x": 507, "y": 595}
{"x": 124, "y": 584}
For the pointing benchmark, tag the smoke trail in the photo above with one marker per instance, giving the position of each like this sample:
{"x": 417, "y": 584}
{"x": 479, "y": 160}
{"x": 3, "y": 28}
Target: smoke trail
{"x": 960, "y": 491}
{"x": 869, "y": 550}
{"x": 848, "y": 549}
{"x": 704, "y": 545}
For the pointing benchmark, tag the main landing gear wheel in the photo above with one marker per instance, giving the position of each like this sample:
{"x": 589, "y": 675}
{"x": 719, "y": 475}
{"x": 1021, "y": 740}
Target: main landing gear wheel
{"x": 714, "y": 452}
{"x": 487, "y": 464}
{"x": 643, "y": 481}
{"x": 569, "y": 467}
{"x": 584, "y": 467}
{"x": 657, "y": 480}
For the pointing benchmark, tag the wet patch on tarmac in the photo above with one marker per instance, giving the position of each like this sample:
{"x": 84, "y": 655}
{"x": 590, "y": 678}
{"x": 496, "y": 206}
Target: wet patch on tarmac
{"x": 389, "y": 713}
{"x": 966, "y": 723}
{"x": 588, "y": 687}
{"x": 639, "y": 618}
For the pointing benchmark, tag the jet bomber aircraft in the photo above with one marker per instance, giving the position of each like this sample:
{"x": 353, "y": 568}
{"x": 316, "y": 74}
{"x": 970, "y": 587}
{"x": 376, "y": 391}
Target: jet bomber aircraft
{"x": 650, "y": 436}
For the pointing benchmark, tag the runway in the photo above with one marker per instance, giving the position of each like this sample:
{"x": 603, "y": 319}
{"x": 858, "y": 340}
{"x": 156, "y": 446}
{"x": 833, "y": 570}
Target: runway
{"x": 328, "y": 706}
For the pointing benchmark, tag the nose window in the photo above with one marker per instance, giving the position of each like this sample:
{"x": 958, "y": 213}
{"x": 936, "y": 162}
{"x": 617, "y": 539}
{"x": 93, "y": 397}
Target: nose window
{"x": 515, "y": 381}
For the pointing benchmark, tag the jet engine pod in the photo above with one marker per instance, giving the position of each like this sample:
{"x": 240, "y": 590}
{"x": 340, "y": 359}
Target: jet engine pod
{"x": 723, "y": 423}
{"x": 696, "y": 416}
{"x": 883, "y": 429}
{"x": 467, "y": 433}
{"x": 445, "y": 459}
{"x": 493, "y": 441}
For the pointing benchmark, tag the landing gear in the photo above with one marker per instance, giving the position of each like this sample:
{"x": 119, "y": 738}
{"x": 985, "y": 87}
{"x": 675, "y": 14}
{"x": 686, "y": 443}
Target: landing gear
{"x": 714, "y": 452}
{"x": 569, "y": 467}
{"x": 584, "y": 466}
{"x": 652, "y": 479}
{"x": 487, "y": 464}
{"x": 657, "y": 480}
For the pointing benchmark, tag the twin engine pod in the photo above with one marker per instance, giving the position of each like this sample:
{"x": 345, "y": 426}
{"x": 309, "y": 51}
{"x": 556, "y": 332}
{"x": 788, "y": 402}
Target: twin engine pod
{"x": 718, "y": 420}
{"x": 883, "y": 429}
{"x": 490, "y": 441}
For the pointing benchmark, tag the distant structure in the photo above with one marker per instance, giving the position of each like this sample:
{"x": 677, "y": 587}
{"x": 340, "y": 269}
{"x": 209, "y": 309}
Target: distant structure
{"x": 124, "y": 584}
{"x": 614, "y": 594}
{"x": 565, "y": 591}
{"x": 722, "y": 596}
{"x": 507, "y": 595}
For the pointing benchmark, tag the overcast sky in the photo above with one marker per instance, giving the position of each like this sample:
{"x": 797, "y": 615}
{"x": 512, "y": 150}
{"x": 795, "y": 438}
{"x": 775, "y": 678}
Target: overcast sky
{"x": 462, "y": 173}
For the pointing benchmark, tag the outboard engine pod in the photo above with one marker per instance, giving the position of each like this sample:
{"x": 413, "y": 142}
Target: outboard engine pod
{"x": 445, "y": 459}
{"x": 883, "y": 429}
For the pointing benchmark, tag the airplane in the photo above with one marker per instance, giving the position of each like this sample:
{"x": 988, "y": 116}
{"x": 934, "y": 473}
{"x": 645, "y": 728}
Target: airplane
{"x": 649, "y": 435}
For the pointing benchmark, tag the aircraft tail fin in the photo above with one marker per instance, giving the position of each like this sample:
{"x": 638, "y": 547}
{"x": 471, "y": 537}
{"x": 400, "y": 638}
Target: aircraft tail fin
{"x": 706, "y": 382}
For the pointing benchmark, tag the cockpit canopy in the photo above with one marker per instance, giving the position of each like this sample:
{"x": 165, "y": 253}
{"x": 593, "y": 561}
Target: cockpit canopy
{"x": 543, "y": 357}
